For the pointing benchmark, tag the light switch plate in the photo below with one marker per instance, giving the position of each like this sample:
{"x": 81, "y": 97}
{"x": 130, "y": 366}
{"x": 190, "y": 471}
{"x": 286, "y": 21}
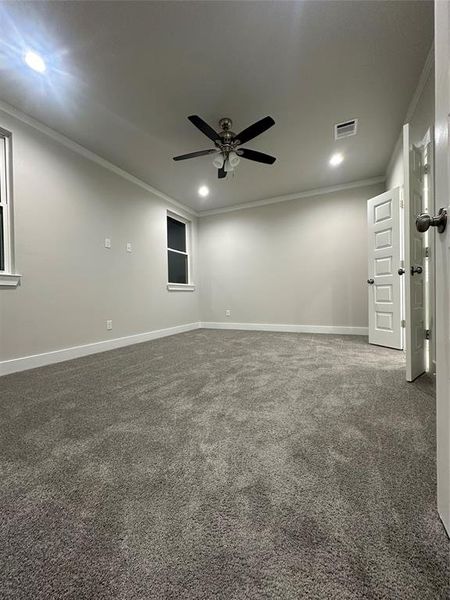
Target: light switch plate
{"x": 129, "y": 247}
{"x": 107, "y": 243}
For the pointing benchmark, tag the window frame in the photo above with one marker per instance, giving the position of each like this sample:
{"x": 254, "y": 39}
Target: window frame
{"x": 8, "y": 277}
{"x": 189, "y": 286}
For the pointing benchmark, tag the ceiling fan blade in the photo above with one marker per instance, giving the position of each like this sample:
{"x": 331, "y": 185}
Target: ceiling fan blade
{"x": 195, "y": 154}
{"x": 204, "y": 127}
{"x": 255, "y": 129}
{"x": 221, "y": 173}
{"x": 258, "y": 156}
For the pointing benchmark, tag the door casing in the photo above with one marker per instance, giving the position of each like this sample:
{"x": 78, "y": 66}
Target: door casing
{"x": 442, "y": 194}
{"x": 415, "y": 324}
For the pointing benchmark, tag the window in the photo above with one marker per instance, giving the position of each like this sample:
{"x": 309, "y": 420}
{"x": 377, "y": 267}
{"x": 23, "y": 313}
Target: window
{"x": 178, "y": 231}
{"x": 7, "y": 276}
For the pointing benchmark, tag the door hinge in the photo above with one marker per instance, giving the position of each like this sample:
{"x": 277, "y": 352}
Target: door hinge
{"x": 426, "y": 169}
{"x": 402, "y": 204}
{"x": 403, "y": 323}
{"x": 427, "y": 334}
{"x": 427, "y": 252}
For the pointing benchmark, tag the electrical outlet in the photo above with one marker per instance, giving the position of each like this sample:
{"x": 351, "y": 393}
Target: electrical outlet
{"x": 107, "y": 243}
{"x": 228, "y": 313}
{"x": 109, "y": 324}
{"x": 129, "y": 247}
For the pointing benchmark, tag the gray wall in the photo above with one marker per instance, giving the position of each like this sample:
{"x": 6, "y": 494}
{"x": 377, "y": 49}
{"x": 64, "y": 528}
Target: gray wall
{"x": 300, "y": 262}
{"x": 287, "y": 263}
{"x": 65, "y": 205}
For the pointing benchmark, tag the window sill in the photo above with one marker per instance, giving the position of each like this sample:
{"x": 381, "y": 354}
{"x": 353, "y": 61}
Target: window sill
{"x": 9, "y": 280}
{"x": 181, "y": 287}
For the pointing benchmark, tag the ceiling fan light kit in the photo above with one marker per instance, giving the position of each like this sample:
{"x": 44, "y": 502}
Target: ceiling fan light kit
{"x": 218, "y": 161}
{"x": 233, "y": 160}
{"x": 227, "y": 144}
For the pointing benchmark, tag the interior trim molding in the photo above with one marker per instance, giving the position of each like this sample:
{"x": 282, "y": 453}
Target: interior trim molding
{"x": 395, "y": 151}
{"x": 330, "y": 329}
{"x": 297, "y": 196}
{"x": 48, "y": 358}
{"x": 181, "y": 287}
{"x": 426, "y": 71}
{"x": 24, "y": 363}
{"x": 79, "y": 149}
{"x": 11, "y": 280}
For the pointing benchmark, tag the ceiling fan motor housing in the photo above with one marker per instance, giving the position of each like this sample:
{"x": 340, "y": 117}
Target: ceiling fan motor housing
{"x": 227, "y": 137}
{"x": 225, "y": 123}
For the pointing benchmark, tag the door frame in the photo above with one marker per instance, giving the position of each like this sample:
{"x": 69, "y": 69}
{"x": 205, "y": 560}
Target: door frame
{"x": 416, "y": 356}
{"x": 430, "y": 258}
{"x": 442, "y": 194}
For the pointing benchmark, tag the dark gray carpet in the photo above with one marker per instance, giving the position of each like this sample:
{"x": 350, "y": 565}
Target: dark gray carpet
{"x": 221, "y": 465}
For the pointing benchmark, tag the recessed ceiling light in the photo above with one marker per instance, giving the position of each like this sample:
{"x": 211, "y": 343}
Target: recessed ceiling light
{"x": 203, "y": 191}
{"x": 34, "y": 61}
{"x": 336, "y": 159}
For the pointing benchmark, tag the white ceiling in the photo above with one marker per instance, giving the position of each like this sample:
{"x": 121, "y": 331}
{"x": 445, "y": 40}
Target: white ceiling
{"x": 123, "y": 76}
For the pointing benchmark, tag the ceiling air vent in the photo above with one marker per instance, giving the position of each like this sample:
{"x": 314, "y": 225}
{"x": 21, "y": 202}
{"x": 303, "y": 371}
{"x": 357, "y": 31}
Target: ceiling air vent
{"x": 345, "y": 129}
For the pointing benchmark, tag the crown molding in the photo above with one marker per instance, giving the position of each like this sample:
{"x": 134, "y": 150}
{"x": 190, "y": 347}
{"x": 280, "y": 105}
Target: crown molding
{"x": 426, "y": 71}
{"x": 297, "y": 196}
{"x": 75, "y": 147}
{"x": 397, "y": 148}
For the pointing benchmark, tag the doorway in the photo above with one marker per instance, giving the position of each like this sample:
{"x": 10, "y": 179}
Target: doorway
{"x": 401, "y": 276}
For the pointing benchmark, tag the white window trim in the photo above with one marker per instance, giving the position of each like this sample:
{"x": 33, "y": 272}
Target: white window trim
{"x": 181, "y": 287}
{"x": 8, "y": 277}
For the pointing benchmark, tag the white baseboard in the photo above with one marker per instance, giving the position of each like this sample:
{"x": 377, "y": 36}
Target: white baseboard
{"x": 48, "y": 358}
{"x": 333, "y": 329}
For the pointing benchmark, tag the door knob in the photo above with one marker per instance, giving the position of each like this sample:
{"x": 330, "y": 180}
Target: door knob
{"x": 370, "y": 281}
{"x": 424, "y": 221}
{"x": 417, "y": 270}
{"x": 401, "y": 271}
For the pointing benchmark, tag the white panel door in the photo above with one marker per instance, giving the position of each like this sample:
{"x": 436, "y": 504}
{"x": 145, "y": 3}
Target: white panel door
{"x": 383, "y": 219}
{"x": 414, "y": 260}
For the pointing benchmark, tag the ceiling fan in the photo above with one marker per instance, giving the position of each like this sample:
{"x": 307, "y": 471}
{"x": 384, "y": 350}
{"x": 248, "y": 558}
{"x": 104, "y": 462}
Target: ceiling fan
{"x": 227, "y": 144}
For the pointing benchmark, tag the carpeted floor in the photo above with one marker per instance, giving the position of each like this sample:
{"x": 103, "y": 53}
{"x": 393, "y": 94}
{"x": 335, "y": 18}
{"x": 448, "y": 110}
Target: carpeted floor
{"x": 221, "y": 465}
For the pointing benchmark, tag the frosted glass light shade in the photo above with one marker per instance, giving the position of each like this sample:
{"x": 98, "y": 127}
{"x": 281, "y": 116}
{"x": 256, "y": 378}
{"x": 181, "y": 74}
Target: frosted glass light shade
{"x": 233, "y": 159}
{"x": 218, "y": 161}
